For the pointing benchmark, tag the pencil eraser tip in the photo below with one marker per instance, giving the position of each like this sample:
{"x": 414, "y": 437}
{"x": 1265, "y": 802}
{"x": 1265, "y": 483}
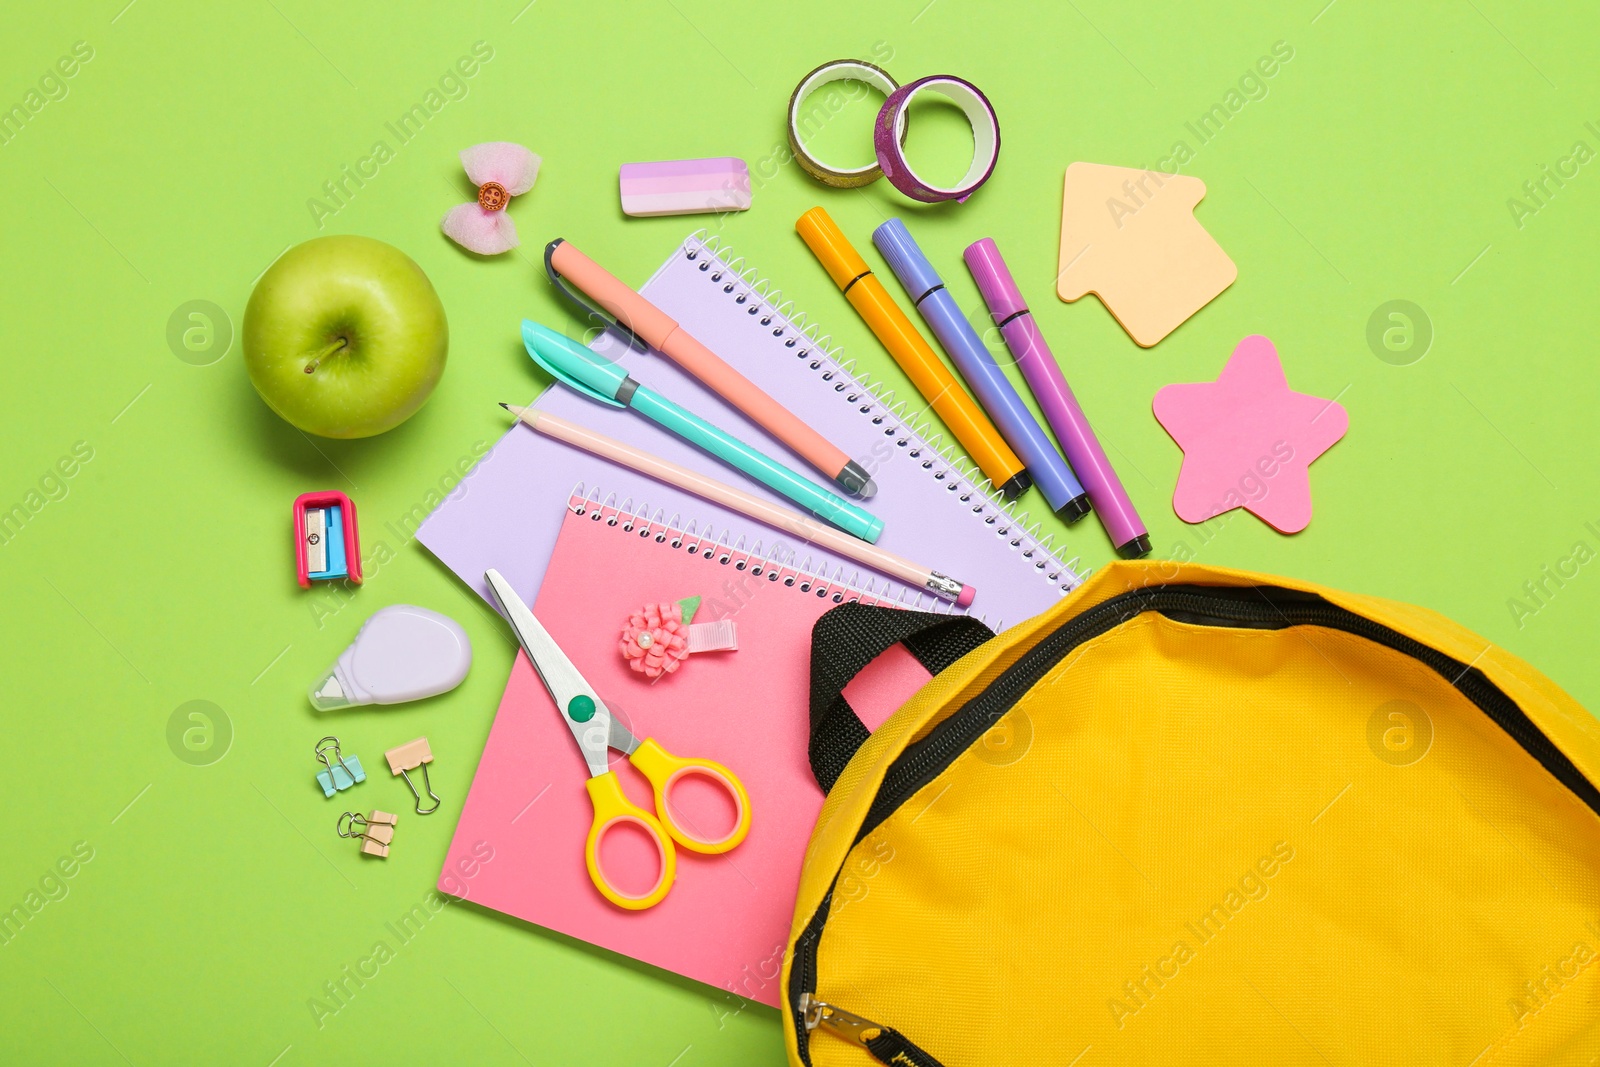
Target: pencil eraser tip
{"x": 965, "y": 599}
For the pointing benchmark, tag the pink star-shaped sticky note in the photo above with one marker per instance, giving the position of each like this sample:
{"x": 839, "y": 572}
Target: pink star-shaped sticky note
{"x": 1248, "y": 440}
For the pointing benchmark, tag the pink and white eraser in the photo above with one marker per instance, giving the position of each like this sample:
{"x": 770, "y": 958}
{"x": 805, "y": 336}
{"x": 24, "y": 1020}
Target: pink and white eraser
{"x": 685, "y": 186}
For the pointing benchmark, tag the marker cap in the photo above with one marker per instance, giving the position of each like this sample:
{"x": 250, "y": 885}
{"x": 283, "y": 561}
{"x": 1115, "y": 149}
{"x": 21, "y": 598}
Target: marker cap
{"x": 837, "y": 256}
{"x": 906, "y": 259}
{"x": 995, "y": 284}
{"x": 1138, "y": 548}
{"x": 575, "y": 365}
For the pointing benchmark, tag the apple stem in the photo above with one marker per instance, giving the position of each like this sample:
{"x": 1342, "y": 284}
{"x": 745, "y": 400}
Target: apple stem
{"x": 325, "y": 353}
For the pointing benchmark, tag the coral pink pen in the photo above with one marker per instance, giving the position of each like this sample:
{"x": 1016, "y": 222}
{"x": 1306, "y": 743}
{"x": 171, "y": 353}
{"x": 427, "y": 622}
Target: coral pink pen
{"x": 645, "y": 322}
{"x": 793, "y": 522}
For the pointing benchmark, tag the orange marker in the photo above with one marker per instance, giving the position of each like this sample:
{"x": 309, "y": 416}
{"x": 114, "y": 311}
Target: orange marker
{"x": 883, "y": 316}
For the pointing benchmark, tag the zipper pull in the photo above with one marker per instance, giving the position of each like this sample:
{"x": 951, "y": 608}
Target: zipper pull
{"x": 837, "y": 1021}
{"x": 882, "y": 1043}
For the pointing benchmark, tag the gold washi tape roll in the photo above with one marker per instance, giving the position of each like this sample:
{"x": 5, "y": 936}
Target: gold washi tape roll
{"x": 838, "y": 70}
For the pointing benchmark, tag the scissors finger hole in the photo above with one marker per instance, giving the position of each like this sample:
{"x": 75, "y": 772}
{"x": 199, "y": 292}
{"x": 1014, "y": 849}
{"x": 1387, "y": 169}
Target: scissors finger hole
{"x": 631, "y": 857}
{"x": 703, "y": 805}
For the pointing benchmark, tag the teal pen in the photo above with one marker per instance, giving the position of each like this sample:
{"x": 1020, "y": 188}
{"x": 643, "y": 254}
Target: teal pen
{"x": 580, "y": 369}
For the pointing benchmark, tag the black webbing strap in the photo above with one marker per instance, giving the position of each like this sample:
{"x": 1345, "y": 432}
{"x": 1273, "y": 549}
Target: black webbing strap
{"x": 893, "y": 1047}
{"x": 849, "y": 637}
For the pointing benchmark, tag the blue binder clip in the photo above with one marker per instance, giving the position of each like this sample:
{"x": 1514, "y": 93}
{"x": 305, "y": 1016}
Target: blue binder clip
{"x": 342, "y": 771}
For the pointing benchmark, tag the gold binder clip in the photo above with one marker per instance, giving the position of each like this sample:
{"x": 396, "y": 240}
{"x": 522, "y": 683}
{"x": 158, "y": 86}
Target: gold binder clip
{"x": 408, "y": 757}
{"x": 376, "y": 831}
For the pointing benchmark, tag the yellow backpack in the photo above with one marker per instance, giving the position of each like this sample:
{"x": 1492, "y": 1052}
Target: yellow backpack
{"x": 1198, "y": 816}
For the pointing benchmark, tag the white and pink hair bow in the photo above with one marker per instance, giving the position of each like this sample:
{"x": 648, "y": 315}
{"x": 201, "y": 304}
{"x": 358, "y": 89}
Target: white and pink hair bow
{"x": 500, "y": 170}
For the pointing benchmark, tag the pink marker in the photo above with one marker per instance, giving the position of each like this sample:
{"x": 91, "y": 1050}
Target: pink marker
{"x": 1055, "y": 397}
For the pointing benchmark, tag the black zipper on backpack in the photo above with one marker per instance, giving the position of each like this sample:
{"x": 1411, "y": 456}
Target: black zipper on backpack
{"x": 882, "y": 1043}
{"x": 1259, "y": 607}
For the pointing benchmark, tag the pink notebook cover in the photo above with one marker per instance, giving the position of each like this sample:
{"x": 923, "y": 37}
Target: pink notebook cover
{"x": 726, "y": 920}
{"x": 505, "y": 514}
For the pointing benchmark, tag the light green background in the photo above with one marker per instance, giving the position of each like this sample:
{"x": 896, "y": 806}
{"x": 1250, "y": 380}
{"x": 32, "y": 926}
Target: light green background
{"x": 218, "y": 901}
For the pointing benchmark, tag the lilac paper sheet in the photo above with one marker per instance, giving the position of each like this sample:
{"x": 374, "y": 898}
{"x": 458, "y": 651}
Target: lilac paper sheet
{"x": 507, "y": 513}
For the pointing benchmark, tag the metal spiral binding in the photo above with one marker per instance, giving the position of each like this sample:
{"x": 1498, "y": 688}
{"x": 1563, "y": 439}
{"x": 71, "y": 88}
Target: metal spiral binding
{"x": 914, "y": 432}
{"x": 702, "y": 540}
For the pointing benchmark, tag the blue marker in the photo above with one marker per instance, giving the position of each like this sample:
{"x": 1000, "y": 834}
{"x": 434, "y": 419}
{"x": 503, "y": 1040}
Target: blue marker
{"x": 601, "y": 380}
{"x": 994, "y": 391}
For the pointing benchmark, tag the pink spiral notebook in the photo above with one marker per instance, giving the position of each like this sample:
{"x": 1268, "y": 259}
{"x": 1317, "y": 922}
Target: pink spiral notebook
{"x": 726, "y": 920}
{"x": 936, "y": 510}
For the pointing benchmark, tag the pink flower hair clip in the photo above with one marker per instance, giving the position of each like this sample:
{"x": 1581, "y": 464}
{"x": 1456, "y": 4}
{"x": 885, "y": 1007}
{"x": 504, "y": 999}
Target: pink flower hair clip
{"x": 659, "y": 637}
{"x": 500, "y": 170}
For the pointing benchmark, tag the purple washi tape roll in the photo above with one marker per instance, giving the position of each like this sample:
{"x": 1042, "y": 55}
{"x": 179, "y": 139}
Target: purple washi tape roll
{"x": 889, "y": 131}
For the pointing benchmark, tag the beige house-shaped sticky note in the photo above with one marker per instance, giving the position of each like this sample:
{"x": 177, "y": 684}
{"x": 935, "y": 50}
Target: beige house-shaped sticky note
{"x": 1130, "y": 237}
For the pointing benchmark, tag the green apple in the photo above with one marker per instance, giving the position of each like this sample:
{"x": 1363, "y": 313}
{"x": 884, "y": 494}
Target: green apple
{"x": 344, "y": 336}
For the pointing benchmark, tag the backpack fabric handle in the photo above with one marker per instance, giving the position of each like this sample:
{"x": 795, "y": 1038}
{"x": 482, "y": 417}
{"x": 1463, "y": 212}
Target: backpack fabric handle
{"x": 847, "y": 638}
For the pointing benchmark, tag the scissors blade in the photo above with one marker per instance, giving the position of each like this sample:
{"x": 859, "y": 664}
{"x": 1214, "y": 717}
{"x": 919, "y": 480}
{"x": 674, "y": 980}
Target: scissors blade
{"x": 581, "y": 708}
{"x": 622, "y": 738}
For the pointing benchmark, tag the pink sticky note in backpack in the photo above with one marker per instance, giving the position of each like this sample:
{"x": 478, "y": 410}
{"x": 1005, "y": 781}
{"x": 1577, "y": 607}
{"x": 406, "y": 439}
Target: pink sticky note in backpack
{"x": 1248, "y": 440}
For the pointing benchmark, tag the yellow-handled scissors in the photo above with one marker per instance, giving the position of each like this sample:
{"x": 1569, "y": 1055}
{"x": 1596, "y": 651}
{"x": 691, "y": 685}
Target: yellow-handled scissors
{"x": 596, "y": 732}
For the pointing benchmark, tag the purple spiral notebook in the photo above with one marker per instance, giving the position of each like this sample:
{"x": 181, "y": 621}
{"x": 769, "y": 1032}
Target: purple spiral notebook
{"x": 937, "y": 510}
